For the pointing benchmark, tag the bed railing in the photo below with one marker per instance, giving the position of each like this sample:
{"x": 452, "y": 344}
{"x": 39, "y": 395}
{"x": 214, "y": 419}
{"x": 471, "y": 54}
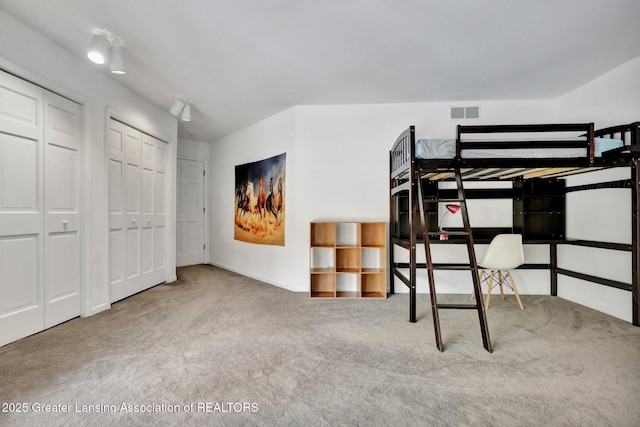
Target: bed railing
{"x": 630, "y": 133}
{"x": 403, "y": 151}
{"x": 572, "y": 135}
{"x": 496, "y": 138}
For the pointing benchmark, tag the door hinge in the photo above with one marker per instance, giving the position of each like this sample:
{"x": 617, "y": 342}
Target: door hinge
{"x": 204, "y": 172}
{"x": 204, "y": 210}
{"x": 204, "y": 247}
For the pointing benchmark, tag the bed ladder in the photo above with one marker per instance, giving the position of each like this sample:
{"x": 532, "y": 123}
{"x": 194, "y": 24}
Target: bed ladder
{"x": 472, "y": 266}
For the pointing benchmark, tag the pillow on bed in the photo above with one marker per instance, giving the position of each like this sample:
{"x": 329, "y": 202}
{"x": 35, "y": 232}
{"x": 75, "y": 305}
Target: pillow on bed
{"x": 606, "y": 144}
{"x": 435, "y": 148}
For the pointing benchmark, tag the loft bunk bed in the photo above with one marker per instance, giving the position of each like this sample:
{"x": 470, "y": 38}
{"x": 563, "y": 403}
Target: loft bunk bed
{"x": 535, "y": 158}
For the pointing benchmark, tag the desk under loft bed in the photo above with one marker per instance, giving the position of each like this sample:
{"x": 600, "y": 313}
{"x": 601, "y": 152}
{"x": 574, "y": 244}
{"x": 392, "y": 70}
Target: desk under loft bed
{"x": 535, "y": 158}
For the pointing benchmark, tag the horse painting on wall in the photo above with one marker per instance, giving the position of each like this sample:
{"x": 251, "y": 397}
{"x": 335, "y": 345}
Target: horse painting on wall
{"x": 259, "y": 202}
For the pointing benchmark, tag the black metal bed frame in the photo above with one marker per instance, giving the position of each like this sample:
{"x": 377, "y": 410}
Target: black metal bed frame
{"x": 405, "y": 168}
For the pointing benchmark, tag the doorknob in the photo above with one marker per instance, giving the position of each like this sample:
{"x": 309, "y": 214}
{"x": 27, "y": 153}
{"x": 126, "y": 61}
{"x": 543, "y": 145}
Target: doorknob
{"x": 65, "y": 223}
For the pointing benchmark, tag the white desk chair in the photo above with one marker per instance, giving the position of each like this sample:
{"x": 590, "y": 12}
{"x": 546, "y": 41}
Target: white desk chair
{"x": 504, "y": 253}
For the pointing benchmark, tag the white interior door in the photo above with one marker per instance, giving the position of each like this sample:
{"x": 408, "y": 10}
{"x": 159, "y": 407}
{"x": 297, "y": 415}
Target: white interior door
{"x": 160, "y": 214}
{"x": 62, "y": 209}
{"x": 124, "y": 198}
{"x": 190, "y": 216}
{"x": 117, "y": 216}
{"x": 133, "y": 213}
{"x": 21, "y": 207}
{"x": 153, "y": 239}
{"x": 137, "y": 240}
{"x": 147, "y": 194}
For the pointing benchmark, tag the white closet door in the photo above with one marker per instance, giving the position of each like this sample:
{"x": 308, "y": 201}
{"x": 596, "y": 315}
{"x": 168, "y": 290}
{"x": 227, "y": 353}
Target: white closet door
{"x": 124, "y": 210}
{"x": 132, "y": 174}
{"x": 62, "y": 209}
{"x": 21, "y": 207}
{"x": 190, "y": 213}
{"x": 137, "y": 164}
{"x": 117, "y": 216}
{"x": 147, "y": 210}
{"x": 153, "y": 255}
{"x": 160, "y": 213}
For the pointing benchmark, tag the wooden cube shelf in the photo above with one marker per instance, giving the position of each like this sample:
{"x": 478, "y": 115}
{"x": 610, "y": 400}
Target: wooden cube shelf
{"x": 348, "y": 260}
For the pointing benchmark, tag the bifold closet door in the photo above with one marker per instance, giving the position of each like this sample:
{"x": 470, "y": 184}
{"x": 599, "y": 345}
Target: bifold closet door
{"x": 154, "y": 159}
{"x": 21, "y": 209}
{"x": 62, "y": 209}
{"x": 124, "y": 210}
{"x": 137, "y": 164}
{"x": 160, "y": 214}
{"x": 39, "y": 209}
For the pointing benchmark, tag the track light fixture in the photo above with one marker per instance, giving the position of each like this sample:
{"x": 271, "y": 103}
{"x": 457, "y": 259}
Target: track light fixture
{"x": 99, "y": 49}
{"x": 116, "y": 63}
{"x": 177, "y": 107}
{"x": 181, "y": 108}
{"x": 105, "y": 46}
{"x": 186, "y": 113}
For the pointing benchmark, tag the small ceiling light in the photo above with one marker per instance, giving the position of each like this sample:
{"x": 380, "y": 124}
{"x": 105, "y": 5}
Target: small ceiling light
{"x": 116, "y": 64}
{"x": 177, "y": 107}
{"x": 181, "y": 108}
{"x": 186, "y": 113}
{"x": 99, "y": 49}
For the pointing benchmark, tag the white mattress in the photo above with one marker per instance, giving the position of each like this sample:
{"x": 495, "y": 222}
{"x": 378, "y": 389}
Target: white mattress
{"x": 446, "y": 149}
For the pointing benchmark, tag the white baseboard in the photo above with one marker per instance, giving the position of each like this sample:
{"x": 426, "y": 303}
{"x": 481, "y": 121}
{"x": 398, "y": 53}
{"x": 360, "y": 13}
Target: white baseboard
{"x": 252, "y": 276}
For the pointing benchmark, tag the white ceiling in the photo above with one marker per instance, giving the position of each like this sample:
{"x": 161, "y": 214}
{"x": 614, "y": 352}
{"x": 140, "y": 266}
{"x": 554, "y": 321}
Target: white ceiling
{"x": 240, "y": 61}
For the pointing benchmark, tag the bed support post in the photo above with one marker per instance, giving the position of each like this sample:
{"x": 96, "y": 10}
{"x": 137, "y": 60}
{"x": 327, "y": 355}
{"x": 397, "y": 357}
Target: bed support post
{"x": 553, "y": 267}
{"x": 413, "y": 200}
{"x": 392, "y": 227}
{"x": 635, "y": 241}
{"x": 413, "y": 275}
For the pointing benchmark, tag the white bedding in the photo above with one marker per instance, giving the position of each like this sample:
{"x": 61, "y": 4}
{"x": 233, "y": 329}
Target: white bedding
{"x": 446, "y": 149}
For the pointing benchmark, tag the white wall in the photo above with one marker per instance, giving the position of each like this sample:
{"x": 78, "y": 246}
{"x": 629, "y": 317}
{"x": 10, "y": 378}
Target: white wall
{"x": 267, "y": 138}
{"x": 29, "y": 55}
{"x": 611, "y": 99}
{"x": 193, "y": 150}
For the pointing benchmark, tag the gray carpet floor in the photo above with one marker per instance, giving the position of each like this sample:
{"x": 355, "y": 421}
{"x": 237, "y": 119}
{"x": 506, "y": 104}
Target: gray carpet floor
{"x": 216, "y": 348}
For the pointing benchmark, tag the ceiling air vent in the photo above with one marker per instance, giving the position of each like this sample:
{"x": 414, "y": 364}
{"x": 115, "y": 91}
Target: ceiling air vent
{"x": 465, "y": 112}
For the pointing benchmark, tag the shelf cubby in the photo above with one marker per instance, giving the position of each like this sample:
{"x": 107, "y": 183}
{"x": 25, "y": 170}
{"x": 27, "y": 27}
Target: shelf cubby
{"x": 323, "y": 234}
{"x": 373, "y": 286}
{"x": 374, "y": 234}
{"x": 347, "y": 260}
{"x": 347, "y": 285}
{"x": 322, "y": 259}
{"x": 323, "y": 286}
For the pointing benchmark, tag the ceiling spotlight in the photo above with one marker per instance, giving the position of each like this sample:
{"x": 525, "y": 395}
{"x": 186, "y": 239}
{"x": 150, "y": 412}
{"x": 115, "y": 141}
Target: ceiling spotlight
{"x": 181, "y": 108}
{"x": 99, "y": 49}
{"x": 186, "y": 113}
{"x": 105, "y": 47}
{"x": 177, "y": 107}
{"x": 116, "y": 64}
